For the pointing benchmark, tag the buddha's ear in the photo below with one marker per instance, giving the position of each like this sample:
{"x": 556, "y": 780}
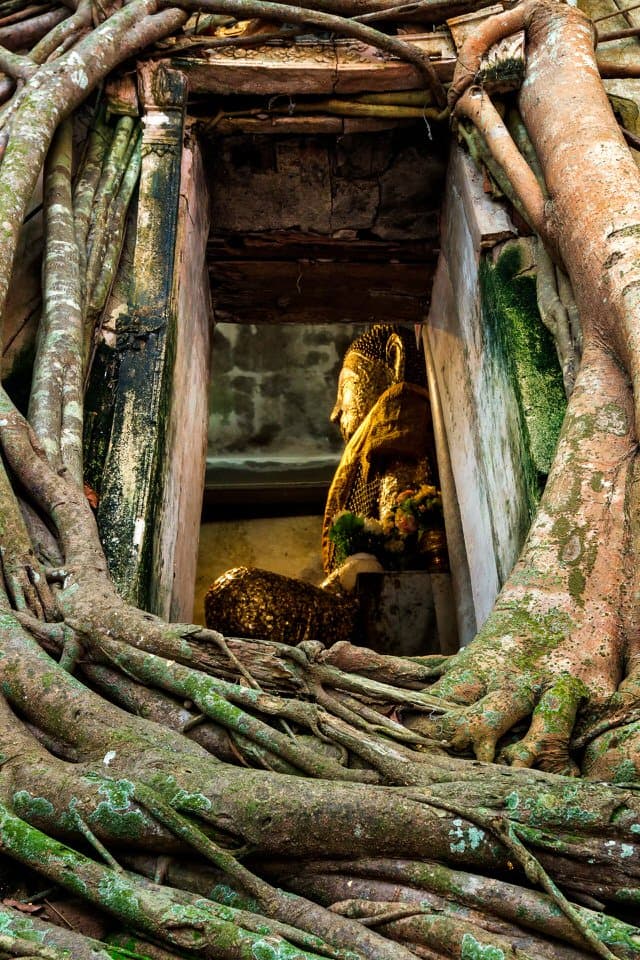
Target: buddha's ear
{"x": 396, "y": 356}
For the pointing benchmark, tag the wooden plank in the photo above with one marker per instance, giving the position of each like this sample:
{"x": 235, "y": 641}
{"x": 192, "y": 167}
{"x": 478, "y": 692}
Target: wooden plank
{"x": 361, "y": 68}
{"x": 317, "y": 292}
{"x": 292, "y": 245}
{"x": 177, "y": 529}
{"x": 335, "y": 126}
{"x": 462, "y": 26}
{"x": 341, "y": 66}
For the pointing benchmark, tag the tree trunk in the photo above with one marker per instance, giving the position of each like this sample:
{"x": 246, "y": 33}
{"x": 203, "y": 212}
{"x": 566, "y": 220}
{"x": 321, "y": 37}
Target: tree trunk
{"x": 564, "y": 618}
{"x": 126, "y": 741}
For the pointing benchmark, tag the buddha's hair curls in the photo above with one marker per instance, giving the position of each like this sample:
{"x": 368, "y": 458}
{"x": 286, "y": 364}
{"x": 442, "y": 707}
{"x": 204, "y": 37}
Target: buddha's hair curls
{"x": 373, "y": 344}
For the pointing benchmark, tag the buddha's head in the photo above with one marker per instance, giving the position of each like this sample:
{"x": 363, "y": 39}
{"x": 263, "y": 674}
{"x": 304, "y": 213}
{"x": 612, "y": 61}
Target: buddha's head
{"x": 376, "y": 360}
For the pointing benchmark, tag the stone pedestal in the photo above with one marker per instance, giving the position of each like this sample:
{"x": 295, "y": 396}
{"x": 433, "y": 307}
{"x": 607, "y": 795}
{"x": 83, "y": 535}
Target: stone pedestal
{"x": 406, "y": 614}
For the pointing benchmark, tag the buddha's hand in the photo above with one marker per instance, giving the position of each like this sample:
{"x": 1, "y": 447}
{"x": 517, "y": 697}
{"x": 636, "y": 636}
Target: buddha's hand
{"x": 345, "y": 575}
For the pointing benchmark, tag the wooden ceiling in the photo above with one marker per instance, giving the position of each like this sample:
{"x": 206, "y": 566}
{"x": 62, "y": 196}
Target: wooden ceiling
{"x": 323, "y": 229}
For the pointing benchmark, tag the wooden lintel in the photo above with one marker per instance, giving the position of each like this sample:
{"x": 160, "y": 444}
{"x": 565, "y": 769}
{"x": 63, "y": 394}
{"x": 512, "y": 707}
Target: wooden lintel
{"x": 343, "y": 66}
{"x": 335, "y": 126}
{"x": 296, "y": 291}
{"x": 463, "y": 26}
{"x": 293, "y": 245}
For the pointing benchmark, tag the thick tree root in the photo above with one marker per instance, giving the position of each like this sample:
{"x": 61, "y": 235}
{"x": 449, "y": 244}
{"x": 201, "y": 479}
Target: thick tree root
{"x": 529, "y": 659}
{"x": 122, "y": 785}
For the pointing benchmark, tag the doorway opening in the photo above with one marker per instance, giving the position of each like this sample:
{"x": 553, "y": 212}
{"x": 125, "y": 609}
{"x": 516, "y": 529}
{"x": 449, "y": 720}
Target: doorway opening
{"x": 313, "y": 240}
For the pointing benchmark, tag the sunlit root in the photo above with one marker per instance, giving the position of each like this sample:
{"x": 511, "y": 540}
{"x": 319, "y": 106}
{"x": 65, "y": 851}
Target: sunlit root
{"x": 548, "y": 739}
{"x": 554, "y": 638}
{"x": 477, "y": 106}
{"x": 556, "y": 315}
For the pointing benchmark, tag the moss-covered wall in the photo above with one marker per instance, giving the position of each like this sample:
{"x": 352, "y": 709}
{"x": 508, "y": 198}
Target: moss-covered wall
{"x": 514, "y": 332}
{"x": 497, "y": 377}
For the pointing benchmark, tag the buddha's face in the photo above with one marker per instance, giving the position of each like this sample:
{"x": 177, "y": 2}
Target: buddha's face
{"x": 360, "y": 384}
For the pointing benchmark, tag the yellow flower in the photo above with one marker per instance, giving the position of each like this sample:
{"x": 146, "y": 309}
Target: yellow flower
{"x": 426, "y": 491}
{"x": 387, "y": 524}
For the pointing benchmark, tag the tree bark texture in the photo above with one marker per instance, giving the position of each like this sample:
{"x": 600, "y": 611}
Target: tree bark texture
{"x": 562, "y": 589}
{"x": 244, "y": 799}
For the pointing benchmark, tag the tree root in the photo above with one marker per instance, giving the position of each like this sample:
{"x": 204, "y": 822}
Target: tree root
{"x": 415, "y": 881}
{"x": 533, "y": 642}
{"x": 119, "y": 787}
{"x": 55, "y": 404}
{"x": 23, "y": 575}
{"x": 453, "y": 931}
{"x": 183, "y": 922}
{"x": 557, "y": 315}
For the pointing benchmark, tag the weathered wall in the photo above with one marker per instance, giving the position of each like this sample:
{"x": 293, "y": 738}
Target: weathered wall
{"x": 499, "y": 384}
{"x": 386, "y": 184}
{"x": 272, "y": 391}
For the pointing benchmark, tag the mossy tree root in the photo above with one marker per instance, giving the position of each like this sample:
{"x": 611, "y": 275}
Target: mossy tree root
{"x": 55, "y": 404}
{"x": 441, "y": 887}
{"x": 121, "y": 783}
{"x": 539, "y": 640}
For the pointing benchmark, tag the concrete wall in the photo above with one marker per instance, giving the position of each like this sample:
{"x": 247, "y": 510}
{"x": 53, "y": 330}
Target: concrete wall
{"x": 272, "y": 391}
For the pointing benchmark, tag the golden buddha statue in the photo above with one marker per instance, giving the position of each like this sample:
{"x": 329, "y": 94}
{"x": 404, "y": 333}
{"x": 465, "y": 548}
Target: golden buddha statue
{"x": 383, "y": 412}
{"x": 384, "y": 415}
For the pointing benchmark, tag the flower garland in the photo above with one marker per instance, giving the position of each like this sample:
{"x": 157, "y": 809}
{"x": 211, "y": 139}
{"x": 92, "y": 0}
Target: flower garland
{"x": 410, "y": 534}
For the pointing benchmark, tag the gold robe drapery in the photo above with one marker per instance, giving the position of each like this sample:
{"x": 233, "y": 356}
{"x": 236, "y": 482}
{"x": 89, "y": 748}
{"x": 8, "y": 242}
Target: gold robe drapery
{"x": 392, "y": 449}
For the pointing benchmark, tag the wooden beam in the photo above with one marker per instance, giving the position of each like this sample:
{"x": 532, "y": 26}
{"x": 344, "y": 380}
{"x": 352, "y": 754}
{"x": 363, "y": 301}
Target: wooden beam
{"x": 287, "y": 126}
{"x": 146, "y": 343}
{"x": 317, "y": 67}
{"x": 319, "y": 292}
{"x": 292, "y": 245}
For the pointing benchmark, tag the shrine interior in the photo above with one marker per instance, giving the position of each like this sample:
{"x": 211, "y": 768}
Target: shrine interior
{"x": 313, "y": 238}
